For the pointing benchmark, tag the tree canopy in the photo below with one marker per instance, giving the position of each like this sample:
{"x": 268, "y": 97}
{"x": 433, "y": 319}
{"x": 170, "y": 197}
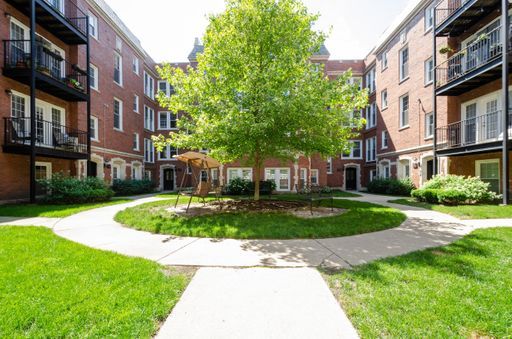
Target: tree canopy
{"x": 256, "y": 93}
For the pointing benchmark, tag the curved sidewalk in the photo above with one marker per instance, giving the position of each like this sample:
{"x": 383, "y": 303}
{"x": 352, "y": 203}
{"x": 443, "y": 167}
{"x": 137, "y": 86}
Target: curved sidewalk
{"x": 422, "y": 229}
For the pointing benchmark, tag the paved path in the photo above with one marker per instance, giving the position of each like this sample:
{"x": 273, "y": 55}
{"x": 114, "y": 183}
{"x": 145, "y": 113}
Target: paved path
{"x": 257, "y": 303}
{"x": 423, "y": 228}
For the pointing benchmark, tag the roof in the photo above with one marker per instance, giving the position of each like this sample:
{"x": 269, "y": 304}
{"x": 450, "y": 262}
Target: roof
{"x": 198, "y": 49}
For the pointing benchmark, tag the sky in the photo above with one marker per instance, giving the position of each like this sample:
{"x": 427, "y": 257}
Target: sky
{"x": 167, "y": 28}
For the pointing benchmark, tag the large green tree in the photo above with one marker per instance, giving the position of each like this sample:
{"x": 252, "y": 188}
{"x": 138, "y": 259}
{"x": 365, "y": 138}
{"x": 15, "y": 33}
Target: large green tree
{"x": 256, "y": 93}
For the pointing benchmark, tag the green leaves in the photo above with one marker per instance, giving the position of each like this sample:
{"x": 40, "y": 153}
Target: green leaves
{"x": 255, "y": 93}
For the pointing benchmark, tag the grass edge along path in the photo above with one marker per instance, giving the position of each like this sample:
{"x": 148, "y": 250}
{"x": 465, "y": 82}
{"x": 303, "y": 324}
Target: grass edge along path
{"x": 53, "y": 210}
{"x": 462, "y": 211}
{"x": 360, "y": 217}
{"x": 51, "y": 287}
{"x": 460, "y": 290}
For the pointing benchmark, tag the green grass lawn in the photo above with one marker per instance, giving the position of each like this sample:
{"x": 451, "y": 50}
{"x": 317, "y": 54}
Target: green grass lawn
{"x": 53, "y": 288}
{"x": 337, "y": 194}
{"x": 360, "y": 217}
{"x": 52, "y": 211}
{"x": 462, "y": 290}
{"x": 463, "y": 211}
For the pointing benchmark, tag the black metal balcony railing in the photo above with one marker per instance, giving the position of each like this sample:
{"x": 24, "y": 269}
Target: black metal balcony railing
{"x": 70, "y": 11}
{"x": 487, "y": 47}
{"x": 48, "y": 135}
{"x": 446, "y": 8}
{"x": 478, "y": 130}
{"x": 17, "y": 56}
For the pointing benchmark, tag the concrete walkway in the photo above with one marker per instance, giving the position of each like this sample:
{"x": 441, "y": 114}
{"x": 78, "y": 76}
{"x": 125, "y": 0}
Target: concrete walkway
{"x": 257, "y": 303}
{"x": 422, "y": 229}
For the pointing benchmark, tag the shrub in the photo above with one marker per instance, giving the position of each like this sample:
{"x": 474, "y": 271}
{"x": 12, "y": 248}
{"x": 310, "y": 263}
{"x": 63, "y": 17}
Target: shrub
{"x": 266, "y": 186}
{"x": 455, "y": 190}
{"x": 68, "y": 190}
{"x": 391, "y": 186}
{"x": 429, "y": 195}
{"x": 131, "y": 187}
{"x": 238, "y": 186}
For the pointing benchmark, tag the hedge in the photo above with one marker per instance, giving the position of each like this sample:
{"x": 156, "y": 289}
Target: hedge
{"x": 132, "y": 187}
{"x": 391, "y": 186}
{"x": 69, "y": 190}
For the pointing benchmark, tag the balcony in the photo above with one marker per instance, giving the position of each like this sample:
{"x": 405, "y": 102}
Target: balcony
{"x": 61, "y": 18}
{"x": 473, "y": 66}
{"x": 453, "y": 17}
{"x": 52, "y": 139}
{"x": 475, "y": 135}
{"x": 54, "y": 75}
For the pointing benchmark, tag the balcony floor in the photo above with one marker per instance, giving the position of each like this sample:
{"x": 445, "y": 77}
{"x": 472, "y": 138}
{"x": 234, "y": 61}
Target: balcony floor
{"x": 44, "y": 151}
{"x": 52, "y": 20}
{"x": 46, "y": 84}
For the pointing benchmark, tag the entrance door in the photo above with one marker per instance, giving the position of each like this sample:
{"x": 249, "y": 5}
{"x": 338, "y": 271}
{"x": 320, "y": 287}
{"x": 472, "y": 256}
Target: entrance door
{"x": 168, "y": 179}
{"x": 351, "y": 179}
{"x": 430, "y": 169}
{"x": 93, "y": 169}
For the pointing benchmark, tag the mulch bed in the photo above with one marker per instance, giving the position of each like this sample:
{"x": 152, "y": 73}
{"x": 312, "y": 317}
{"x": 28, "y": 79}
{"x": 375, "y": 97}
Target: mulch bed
{"x": 258, "y": 206}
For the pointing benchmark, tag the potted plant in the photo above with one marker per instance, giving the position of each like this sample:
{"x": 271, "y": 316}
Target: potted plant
{"x": 446, "y": 50}
{"x": 76, "y": 84}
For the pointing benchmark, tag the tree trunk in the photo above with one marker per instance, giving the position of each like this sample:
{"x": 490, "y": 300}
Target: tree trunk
{"x": 257, "y": 182}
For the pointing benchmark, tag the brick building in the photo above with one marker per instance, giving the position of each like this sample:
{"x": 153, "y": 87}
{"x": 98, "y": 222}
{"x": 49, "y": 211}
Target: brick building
{"x": 406, "y": 129}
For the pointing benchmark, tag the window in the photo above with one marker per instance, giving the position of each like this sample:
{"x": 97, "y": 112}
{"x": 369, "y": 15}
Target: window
{"x": 404, "y": 63}
{"x": 314, "y": 177}
{"x": 429, "y": 17}
{"x": 118, "y": 114}
{"x": 371, "y": 146}
{"x": 404, "y": 111}
{"x": 136, "y": 170}
{"x": 149, "y": 151}
{"x": 149, "y": 86}
{"x": 329, "y": 165}
{"x": 489, "y": 171}
{"x": 135, "y": 66}
{"x": 429, "y": 71}
{"x": 429, "y": 125}
{"x": 136, "y": 103}
{"x": 384, "y": 60}
{"x": 135, "y": 141}
{"x": 93, "y": 25}
{"x": 355, "y": 151}
{"x": 371, "y": 115}
{"x": 17, "y": 106}
{"x": 403, "y": 36}
{"x": 373, "y": 174}
{"x": 118, "y": 69}
{"x": 244, "y": 173}
{"x": 405, "y": 168}
{"x": 281, "y": 176}
{"x": 119, "y": 44}
{"x": 147, "y": 174}
{"x": 116, "y": 172}
{"x": 370, "y": 80}
{"x": 165, "y": 87}
{"x": 167, "y": 153}
{"x": 384, "y": 99}
{"x": 167, "y": 120}
{"x": 385, "y": 170}
{"x": 94, "y": 76}
{"x": 385, "y": 138}
{"x": 94, "y": 128}
{"x": 149, "y": 118}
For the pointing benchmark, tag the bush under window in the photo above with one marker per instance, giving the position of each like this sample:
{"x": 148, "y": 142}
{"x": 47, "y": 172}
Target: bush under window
{"x": 69, "y": 190}
{"x": 132, "y": 187}
{"x": 455, "y": 190}
{"x": 238, "y": 186}
{"x": 391, "y": 186}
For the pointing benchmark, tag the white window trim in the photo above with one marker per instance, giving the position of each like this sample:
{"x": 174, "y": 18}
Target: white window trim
{"x": 488, "y": 161}
{"x": 120, "y": 115}
{"x": 317, "y": 176}
{"x": 150, "y": 149}
{"x": 277, "y": 183}
{"x": 425, "y": 71}
{"x": 168, "y": 157}
{"x": 151, "y": 83}
{"x": 403, "y": 77}
{"x": 382, "y": 139}
{"x": 431, "y": 9}
{"x": 96, "y": 126}
{"x": 152, "y": 119}
{"x": 428, "y": 136}
{"x": 168, "y": 119}
{"x": 351, "y": 156}
{"x": 136, "y": 97}
{"x": 400, "y": 111}
{"x": 136, "y": 63}
{"x": 329, "y": 165}
{"x": 120, "y": 83}
{"x": 48, "y": 166}
{"x": 382, "y": 99}
{"x": 384, "y": 62}
{"x": 138, "y": 141}
{"x": 96, "y": 25}
{"x": 240, "y": 170}
{"x": 95, "y": 85}
{"x": 371, "y": 142}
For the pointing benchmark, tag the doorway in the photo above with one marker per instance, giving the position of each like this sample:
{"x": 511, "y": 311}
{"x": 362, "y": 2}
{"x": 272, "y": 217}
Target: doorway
{"x": 430, "y": 169}
{"x": 351, "y": 179}
{"x": 169, "y": 179}
{"x": 93, "y": 169}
